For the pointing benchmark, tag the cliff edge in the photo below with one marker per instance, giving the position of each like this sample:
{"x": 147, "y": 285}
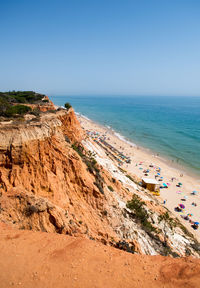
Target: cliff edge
{"x": 54, "y": 179}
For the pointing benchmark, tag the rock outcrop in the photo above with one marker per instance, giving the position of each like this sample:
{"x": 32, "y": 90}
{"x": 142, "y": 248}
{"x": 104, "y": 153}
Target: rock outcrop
{"x": 43, "y": 106}
{"x": 39, "y": 168}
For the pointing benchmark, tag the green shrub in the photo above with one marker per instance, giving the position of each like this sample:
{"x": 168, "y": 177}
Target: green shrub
{"x": 110, "y": 188}
{"x": 167, "y": 219}
{"x": 135, "y": 204}
{"x": 68, "y": 106}
{"x": 79, "y": 149}
{"x": 7, "y": 99}
{"x": 17, "y": 110}
{"x": 21, "y": 96}
{"x": 99, "y": 186}
{"x": 140, "y": 213}
{"x": 3, "y": 107}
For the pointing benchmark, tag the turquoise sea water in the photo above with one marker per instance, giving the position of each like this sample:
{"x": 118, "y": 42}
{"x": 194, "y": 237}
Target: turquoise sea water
{"x": 169, "y": 126}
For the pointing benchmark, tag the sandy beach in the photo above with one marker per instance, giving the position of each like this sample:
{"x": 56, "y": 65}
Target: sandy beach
{"x": 142, "y": 160}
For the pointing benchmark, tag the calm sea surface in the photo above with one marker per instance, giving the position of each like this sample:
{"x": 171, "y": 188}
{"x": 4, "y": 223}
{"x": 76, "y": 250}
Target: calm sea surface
{"x": 167, "y": 125}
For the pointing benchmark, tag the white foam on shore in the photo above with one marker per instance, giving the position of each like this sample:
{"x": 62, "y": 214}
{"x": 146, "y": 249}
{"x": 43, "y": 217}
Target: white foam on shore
{"x": 118, "y": 135}
{"x": 124, "y": 139}
{"x": 83, "y": 116}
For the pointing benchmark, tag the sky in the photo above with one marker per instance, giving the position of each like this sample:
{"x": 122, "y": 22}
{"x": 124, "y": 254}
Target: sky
{"x": 100, "y": 47}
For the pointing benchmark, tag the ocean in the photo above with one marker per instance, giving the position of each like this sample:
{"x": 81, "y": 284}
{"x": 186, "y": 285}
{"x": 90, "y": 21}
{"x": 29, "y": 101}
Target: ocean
{"x": 169, "y": 126}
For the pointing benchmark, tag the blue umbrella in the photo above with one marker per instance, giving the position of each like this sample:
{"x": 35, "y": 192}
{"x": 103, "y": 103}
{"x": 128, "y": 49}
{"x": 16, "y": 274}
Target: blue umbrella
{"x": 165, "y": 185}
{"x": 196, "y": 223}
{"x": 158, "y": 174}
{"x": 194, "y": 193}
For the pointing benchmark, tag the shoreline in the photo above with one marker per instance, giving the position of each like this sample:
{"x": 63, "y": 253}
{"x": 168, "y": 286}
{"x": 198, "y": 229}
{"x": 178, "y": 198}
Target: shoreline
{"x": 172, "y": 164}
{"x": 171, "y": 197}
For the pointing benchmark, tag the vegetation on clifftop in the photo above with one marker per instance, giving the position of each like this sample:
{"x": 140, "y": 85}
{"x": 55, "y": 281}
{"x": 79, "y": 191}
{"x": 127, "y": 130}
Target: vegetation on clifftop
{"x": 21, "y": 97}
{"x": 68, "y": 106}
{"x": 11, "y": 103}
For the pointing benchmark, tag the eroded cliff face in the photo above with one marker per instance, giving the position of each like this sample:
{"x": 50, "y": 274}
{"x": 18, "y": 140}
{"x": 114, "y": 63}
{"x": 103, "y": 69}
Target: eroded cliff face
{"x": 48, "y": 184}
{"x": 45, "y": 185}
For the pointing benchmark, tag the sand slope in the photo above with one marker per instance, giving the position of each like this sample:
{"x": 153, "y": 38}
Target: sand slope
{"x": 36, "y": 259}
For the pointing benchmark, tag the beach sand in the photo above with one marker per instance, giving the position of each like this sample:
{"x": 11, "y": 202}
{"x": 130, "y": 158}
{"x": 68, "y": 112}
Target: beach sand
{"x": 173, "y": 194}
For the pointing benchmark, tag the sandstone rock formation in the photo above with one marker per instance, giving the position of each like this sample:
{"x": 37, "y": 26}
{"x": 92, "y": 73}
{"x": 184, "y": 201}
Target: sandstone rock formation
{"x": 47, "y": 105}
{"x": 38, "y": 165}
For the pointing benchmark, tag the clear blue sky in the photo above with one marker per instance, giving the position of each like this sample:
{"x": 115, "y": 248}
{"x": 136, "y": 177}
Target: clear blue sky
{"x": 100, "y": 46}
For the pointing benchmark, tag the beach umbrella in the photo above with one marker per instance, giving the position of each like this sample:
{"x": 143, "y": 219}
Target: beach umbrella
{"x": 182, "y": 206}
{"x": 185, "y": 197}
{"x": 158, "y": 174}
{"x": 180, "y": 183}
{"x": 194, "y": 192}
{"x": 164, "y": 184}
{"x": 196, "y": 223}
{"x": 190, "y": 214}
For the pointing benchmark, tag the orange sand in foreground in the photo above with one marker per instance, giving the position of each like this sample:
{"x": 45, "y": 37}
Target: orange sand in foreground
{"x": 172, "y": 194}
{"x": 37, "y": 259}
